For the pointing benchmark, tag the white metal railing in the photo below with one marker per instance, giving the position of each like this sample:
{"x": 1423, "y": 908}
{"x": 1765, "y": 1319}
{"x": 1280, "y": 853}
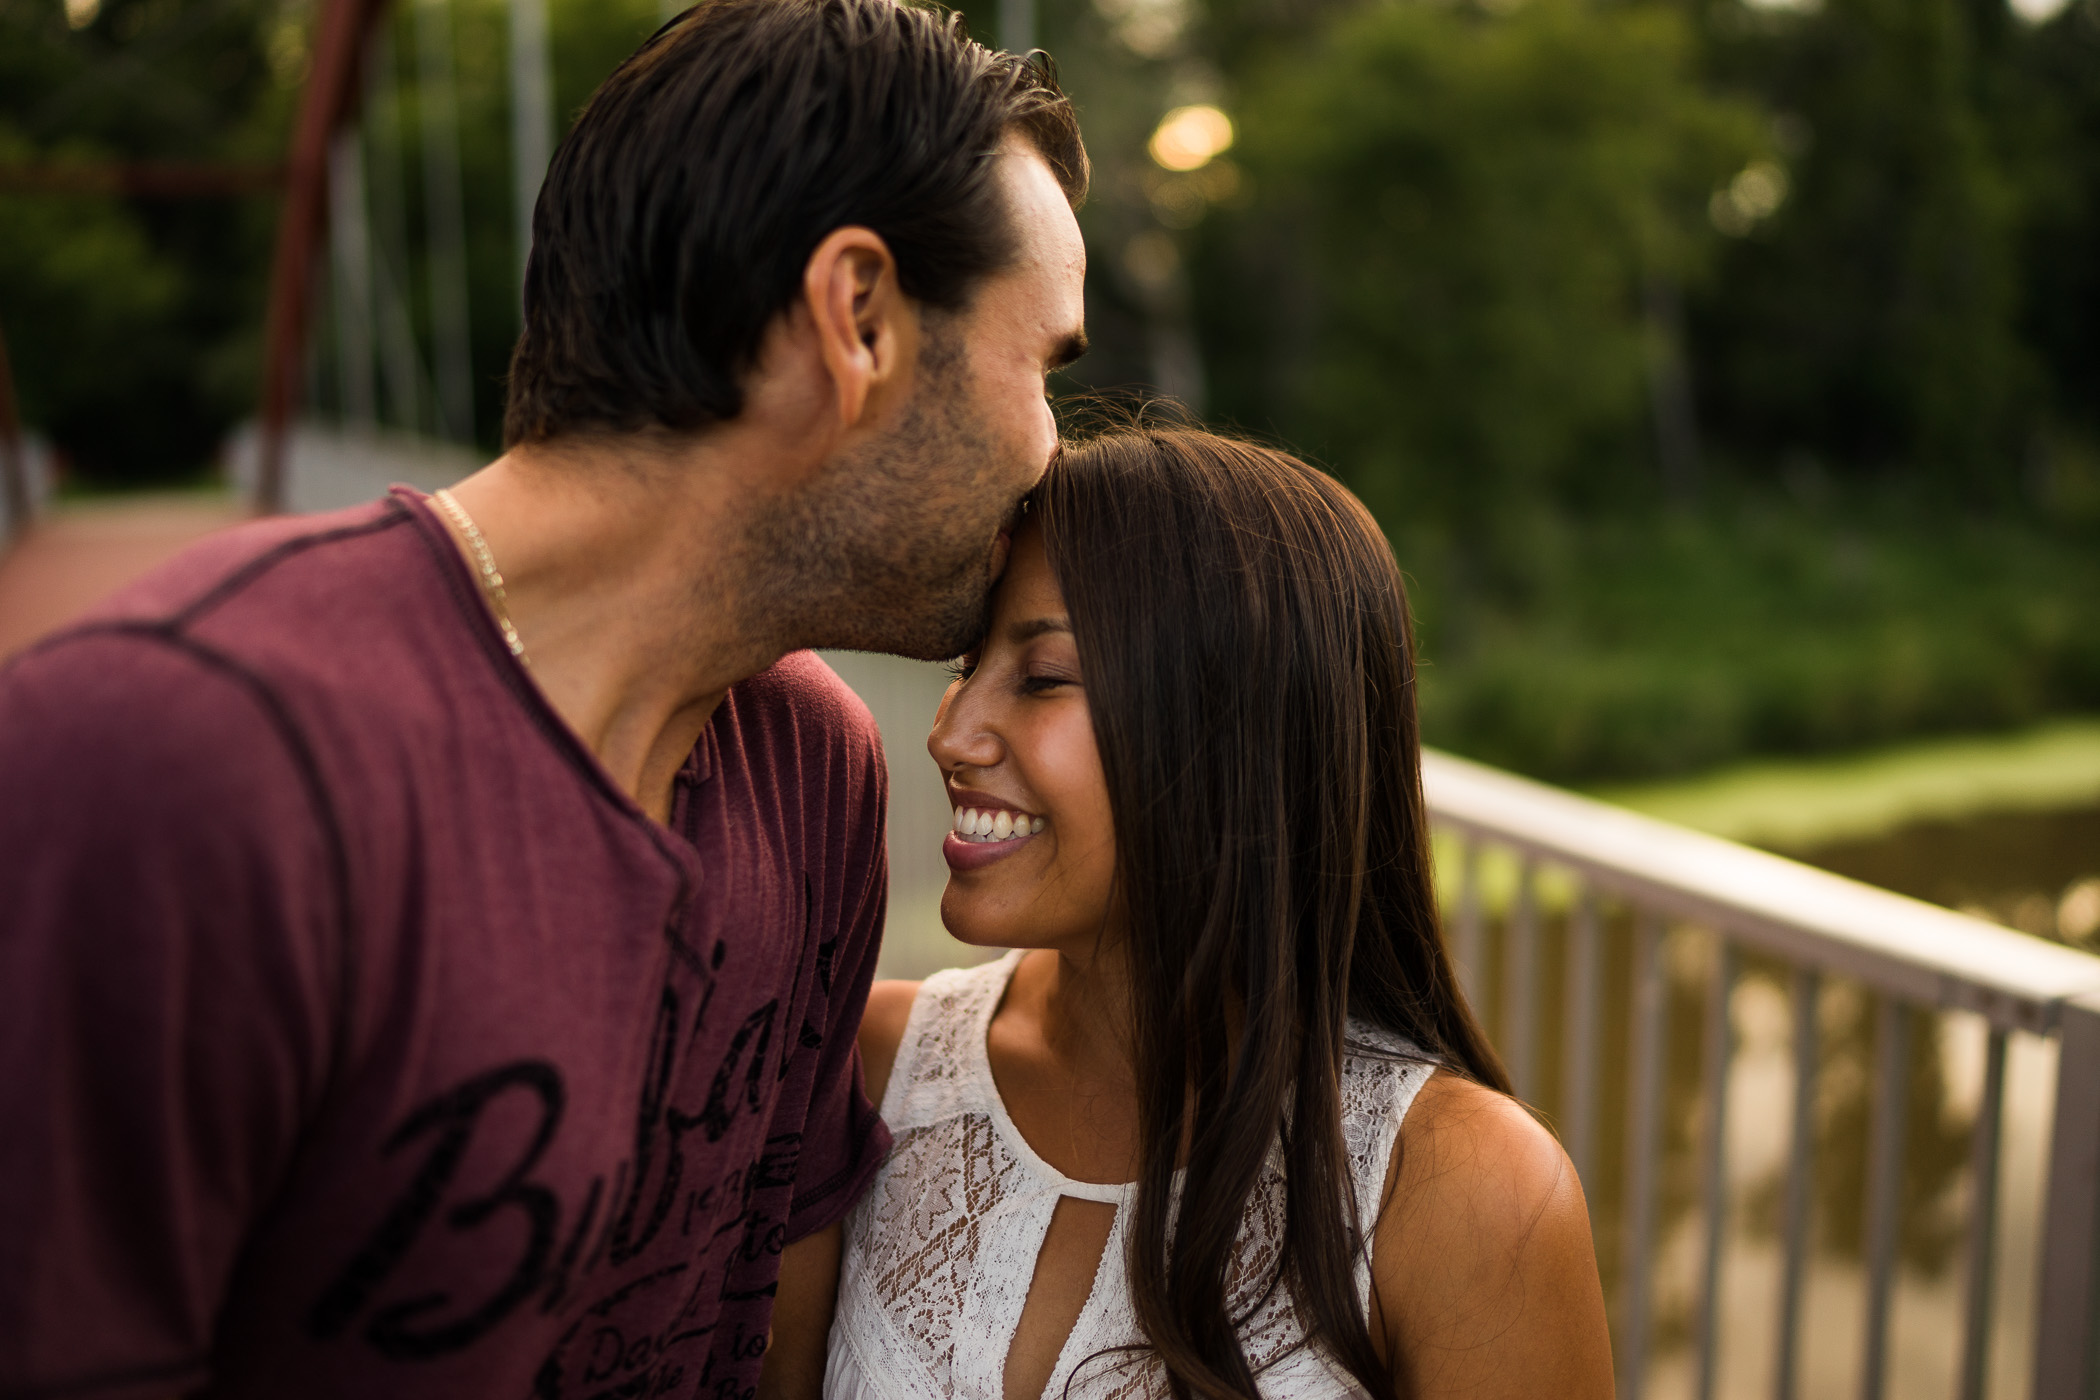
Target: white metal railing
{"x": 1909, "y": 955}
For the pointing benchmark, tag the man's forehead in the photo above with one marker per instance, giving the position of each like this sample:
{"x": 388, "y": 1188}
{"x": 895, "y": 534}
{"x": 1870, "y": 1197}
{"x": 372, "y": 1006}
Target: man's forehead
{"x": 1048, "y": 231}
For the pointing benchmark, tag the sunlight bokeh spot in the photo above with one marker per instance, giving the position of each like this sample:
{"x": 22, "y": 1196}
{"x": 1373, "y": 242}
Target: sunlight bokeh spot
{"x": 1754, "y": 195}
{"x": 1188, "y": 138}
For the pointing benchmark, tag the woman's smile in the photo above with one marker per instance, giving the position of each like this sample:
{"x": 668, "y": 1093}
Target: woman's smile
{"x": 986, "y": 829}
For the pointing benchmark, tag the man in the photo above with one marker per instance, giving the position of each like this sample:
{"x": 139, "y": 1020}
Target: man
{"x": 432, "y": 936}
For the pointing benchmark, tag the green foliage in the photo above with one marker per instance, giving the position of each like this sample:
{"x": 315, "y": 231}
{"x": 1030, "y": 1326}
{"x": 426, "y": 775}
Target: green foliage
{"x": 1664, "y": 643}
{"x": 133, "y": 325}
{"x": 1461, "y": 213}
{"x": 1884, "y": 216}
{"x": 1474, "y": 203}
{"x": 136, "y": 324}
{"x": 2056, "y": 155}
{"x": 1872, "y": 322}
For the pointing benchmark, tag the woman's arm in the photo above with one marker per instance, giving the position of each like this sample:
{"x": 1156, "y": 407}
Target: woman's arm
{"x": 882, "y": 1032}
{"x": 800, "y": 1335}
{"x": 1484, "y": 1280}
{"x": 809, "y": 1269}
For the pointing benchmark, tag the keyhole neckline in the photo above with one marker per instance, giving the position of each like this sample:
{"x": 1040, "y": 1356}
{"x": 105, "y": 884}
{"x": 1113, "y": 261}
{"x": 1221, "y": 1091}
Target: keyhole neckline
{"x": 1114, "y": 1193}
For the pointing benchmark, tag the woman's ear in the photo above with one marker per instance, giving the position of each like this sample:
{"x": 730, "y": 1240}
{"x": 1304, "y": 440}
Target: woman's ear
{"x": 867, "y": 329}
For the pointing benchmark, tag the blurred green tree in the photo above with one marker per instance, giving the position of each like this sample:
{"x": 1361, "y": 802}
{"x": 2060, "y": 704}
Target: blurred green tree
{"x": 1869, "y": 325}
{"x": 2056, "y": 74}
{"x": 1454, "y": 219}
{"x": 134, "y": 324}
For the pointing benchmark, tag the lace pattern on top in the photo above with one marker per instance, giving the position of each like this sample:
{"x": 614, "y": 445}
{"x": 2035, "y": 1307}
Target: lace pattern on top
{"x": 941, "y": 1250}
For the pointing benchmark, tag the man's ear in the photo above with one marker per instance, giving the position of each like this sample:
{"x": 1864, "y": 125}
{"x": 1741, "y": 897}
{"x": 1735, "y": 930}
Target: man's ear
{"x": 867, "y": 329}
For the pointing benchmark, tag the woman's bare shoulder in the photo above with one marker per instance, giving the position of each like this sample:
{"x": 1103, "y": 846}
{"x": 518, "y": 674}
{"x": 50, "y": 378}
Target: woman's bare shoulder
{"x": 1485, "y": 1278}
{"x": 1469, "y": 1149}
{"x": 882, "y": 1032}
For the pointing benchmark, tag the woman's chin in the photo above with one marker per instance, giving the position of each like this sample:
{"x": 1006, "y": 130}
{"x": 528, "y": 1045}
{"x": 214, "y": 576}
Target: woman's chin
{"x": 960, "y": 925}
{"x": 967, "y": 921}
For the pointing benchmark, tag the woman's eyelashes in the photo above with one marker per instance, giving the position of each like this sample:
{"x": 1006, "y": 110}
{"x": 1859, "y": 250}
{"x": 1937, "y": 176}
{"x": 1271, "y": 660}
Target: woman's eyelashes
{"x": 1029, "y": 678}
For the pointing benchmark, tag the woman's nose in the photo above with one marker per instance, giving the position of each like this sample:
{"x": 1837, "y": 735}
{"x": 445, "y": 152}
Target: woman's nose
{"x": 961, "y": 738}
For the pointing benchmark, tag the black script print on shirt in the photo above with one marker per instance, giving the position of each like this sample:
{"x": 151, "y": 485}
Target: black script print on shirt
{"x": 450, "y": 1120}
{"x": 631, "y": 1339}
{"x": 721, "y": 1224}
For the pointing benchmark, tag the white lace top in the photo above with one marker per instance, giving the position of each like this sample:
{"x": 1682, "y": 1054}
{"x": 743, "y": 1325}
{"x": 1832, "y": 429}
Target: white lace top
{"x": 941, "y": 1250}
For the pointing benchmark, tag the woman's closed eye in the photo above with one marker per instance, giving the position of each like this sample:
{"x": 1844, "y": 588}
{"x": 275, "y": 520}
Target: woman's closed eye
{"x": 1038, "y": 683}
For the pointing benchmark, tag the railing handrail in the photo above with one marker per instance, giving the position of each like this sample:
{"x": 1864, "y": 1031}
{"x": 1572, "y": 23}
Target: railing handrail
{"x": 1902, "y": 946}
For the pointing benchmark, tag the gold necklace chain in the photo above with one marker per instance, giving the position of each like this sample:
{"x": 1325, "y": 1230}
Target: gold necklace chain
{"x": 491, "y": 581}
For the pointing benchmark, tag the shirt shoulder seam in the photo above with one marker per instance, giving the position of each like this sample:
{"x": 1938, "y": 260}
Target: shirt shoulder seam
{"x": 301, "y": 754}
{"x": 242, "y": 577}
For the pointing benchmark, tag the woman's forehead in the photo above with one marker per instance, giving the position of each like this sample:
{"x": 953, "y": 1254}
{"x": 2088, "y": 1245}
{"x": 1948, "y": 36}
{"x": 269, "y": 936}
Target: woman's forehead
{"x": 1028, "y": 594}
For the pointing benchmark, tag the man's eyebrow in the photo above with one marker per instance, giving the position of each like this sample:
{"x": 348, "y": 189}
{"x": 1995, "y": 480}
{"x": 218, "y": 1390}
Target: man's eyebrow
{"x": 1036, "y": 627}
{"x": 1073, "y": 347}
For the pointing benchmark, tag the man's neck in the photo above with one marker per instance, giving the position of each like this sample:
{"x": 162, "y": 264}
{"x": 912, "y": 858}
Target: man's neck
{"x": 620, "y": 576}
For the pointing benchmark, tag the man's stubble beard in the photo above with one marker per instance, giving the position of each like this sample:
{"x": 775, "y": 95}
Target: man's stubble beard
{"x": 889, "y": 548}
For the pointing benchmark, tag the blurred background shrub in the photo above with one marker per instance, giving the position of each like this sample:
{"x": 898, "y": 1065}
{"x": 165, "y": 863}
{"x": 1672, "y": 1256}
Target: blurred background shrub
{"x": 135, "y": 324}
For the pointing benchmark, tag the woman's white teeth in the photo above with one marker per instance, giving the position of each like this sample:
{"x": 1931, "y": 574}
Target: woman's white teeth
{"x": 995, "y": 826}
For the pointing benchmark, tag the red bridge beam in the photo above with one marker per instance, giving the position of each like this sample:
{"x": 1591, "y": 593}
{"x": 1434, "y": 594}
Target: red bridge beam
{"x": 330, "y": 102}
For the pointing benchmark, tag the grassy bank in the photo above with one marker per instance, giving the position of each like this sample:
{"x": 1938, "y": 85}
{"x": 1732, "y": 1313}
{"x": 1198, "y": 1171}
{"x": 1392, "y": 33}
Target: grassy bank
{"x": 1796, "y": 805}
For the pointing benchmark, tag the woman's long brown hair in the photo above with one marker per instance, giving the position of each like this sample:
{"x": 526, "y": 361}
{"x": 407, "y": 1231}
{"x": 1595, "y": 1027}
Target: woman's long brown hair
{"x": 1249, "y": 667}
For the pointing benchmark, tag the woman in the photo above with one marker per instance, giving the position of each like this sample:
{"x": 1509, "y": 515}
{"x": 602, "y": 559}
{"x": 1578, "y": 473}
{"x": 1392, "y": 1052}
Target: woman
{"x": 1222, "y": 1124}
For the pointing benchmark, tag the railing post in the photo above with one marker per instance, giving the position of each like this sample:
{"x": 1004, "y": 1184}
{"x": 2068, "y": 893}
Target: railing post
{"x": 1981, "y": 1281}
{"x": 1651, "y": 1029}
{"x": 1891, "y": 1100}
{"x": 2065, "y": 1364}
{"x": 1800, "y": 1185}
{"x": 1720, "y": 1043}
{"x": 1520, "y": 957}
{"x": 1468, "y": 953}
{"x": 1578, "y": 1091}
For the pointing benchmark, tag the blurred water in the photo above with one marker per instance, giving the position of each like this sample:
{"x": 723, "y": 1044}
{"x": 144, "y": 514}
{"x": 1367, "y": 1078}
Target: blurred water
{"x": 2038, "y": 872}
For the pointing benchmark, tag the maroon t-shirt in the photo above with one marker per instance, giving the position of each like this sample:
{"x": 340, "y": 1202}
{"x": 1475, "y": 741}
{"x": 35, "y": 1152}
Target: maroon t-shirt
{"x": 359, "y": 1037}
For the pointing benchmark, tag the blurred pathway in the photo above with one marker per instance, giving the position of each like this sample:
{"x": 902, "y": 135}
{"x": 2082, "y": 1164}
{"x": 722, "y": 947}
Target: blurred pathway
{"x": 78, "y": 552}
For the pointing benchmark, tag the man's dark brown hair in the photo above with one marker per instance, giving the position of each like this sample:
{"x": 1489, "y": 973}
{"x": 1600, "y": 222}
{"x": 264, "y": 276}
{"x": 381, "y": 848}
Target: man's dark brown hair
{"x": 678, "y": 216}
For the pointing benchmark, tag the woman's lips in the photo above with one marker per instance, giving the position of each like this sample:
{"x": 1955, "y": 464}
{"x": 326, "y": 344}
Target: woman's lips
{"x": 964, "y": 855}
